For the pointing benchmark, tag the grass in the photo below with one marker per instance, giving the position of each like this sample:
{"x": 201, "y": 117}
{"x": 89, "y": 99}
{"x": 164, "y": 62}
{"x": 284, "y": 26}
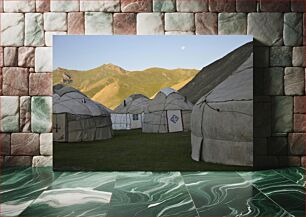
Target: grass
{"x": 133, "y": 151}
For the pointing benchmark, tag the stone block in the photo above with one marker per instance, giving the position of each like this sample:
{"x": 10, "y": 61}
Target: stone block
{"x": 25, "y": 144}
{"x": 150, "y": 24}
{"x": 280, "y": 56}
{"x": 298, "y": 56}
{"x": 25, "y": 114}
{"x": 265, "y": 162}
{"x": 262, "y": 119}
{"x": 40, "y": 84}
{"x": 246, "y": 5}
{"x": 42, "y": 161}
{"x": 26, "y": 56}
{"x": 65, "y": 6}
{"x": 260, "y": 147}
{"x": 43, "y": 59}
{"x": 282, "y": 114}
{"x": 9, "y": 115}
{"x": 10, "y": 55}
{"x": 12, "y": 29}
{"x": 303, "y": 161}
{"x": 267, "y": 28}
{"x": 97, "y": 23}
{"x": 191, "y": 5}
{"x": 76, "y": 23}
{"x": 289, "y": 161}
{"x": 261, "y": 56}
{"x": 296, "y": 143}
{"x": 232, "y": 24}
{"x": 49, "y": 37}
{"x": 1, "y": 56}
{"x": 299, "y": 124}
{"x": 259, "y": 81}
{"x": 42, "y": 5}
{"x": 46, "y": 144}
{"x": 1, "y": 81}
{"x": 19, "y": 6}
{"x": 304, "y": 29}
{"x": 179, "y": 33}
{"x": 299, "y": 104}
{"x": 222, "y": 6}
{"x": 206, "y": 23}
{"x": 293, "y": 29}
{"x": 18, "y": 161}
{"x": 294, "y": 81}
{"x": 100, "y": 5}
{"x": 164, "y": 5}
{"x": 125, "y": 23}
{"x": 274, "y": 81}
{"x": 5, "y": 144}
{"x": 278, "y": 146}
{"x": 15, "y": 81}
{"x": 297, "y": 5}
{"x": 136, "y": 5}
{"x": 179, "y": 22}
{"x": 34, "y": 29}
{"x": 41, "y": 114}
{"x": 55, "y": 21}
{"x": 272, "y": 6}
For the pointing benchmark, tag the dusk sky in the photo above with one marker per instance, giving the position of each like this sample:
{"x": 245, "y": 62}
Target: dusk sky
{"x": 141, "y": 52}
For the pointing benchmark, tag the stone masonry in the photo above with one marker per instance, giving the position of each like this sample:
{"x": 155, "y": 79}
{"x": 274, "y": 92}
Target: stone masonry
{"x": 26, "y": 32}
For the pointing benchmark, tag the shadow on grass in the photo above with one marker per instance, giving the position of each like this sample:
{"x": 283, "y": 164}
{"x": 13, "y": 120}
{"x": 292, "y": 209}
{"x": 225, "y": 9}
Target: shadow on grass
{"x": 133, "y": 151}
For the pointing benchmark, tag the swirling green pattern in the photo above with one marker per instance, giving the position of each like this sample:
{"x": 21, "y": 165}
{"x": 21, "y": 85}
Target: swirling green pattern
{"x": 43, "y": 192}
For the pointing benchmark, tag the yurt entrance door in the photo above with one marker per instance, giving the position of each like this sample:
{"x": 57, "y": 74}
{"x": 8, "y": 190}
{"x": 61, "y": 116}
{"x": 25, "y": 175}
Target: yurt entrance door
{"x": 59, "y": 127}
{"x": 175, "y": 123}
{"x": 136, "y": 121}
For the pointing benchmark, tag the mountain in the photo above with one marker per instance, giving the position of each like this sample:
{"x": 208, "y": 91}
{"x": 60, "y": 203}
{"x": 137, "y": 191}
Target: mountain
{"x": 110, "y": 84}
{"x": 215, "y": 73}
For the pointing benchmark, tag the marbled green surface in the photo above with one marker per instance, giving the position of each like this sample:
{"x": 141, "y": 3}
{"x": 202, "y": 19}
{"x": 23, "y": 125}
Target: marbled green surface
{"x": 42, "y": 192}
{"x": 41, "y": 114}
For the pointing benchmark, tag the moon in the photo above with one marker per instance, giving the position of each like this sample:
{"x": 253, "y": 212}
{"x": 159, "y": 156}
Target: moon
{"x": 183, "y": 47}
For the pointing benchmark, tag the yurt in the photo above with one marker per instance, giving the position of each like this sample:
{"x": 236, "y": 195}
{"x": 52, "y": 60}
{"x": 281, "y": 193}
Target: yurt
{"x": 129, "y": 114}
{"x": 222, "y": 120}
{"x": 77, "y": 118}
{"x": 168, "y": 112}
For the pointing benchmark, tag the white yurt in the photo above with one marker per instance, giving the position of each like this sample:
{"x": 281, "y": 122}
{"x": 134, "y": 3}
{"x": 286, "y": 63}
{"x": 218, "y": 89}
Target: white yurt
{"x": 169, "y": 111}
{"x": 222, "y": 120}
{"x": 129, "y": 114}
{"x": 77, "y": 118}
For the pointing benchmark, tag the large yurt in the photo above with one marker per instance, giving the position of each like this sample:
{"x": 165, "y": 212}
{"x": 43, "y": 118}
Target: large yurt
{"x": 222, "y": 120}
{"x": 129, "y": 114}
{"x": 168, "y": 112}
{"x": 77, "y": 118}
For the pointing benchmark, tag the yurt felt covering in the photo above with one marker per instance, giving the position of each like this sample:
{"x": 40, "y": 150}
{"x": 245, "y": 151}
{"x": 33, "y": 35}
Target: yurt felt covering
{"x": 78, "y": 118}
{"x": 222, "y": 120}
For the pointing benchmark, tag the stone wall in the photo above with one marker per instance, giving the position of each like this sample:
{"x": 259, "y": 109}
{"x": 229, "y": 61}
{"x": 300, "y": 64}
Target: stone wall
{"x": 27, "y": 27}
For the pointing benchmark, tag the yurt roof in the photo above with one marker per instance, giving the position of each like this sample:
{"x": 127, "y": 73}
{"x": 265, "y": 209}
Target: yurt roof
{"x": 135, "y": 104}
{"x": 70, "y": 100}
{"x": 136, "y": 96}
{"x": 169, "y": 99}
{"x": 238, "y": 85}
{"x": 61, "y": 89}
{"x": 167, "y": 91}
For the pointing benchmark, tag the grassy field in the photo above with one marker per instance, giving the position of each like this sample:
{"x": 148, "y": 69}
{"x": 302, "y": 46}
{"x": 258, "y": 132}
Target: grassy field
{"x": 133, "y": 151}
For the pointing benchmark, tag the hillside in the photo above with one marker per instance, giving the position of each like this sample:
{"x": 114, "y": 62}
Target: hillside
{"x": 110, "y": 85}
{"x": 212, "y": 75}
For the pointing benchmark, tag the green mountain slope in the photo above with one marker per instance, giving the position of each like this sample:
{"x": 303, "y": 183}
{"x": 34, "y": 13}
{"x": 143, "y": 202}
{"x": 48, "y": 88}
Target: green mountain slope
{"x": 110, "y": 84}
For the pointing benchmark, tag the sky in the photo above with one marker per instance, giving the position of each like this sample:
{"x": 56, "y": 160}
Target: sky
{"x": 142, "y": 52}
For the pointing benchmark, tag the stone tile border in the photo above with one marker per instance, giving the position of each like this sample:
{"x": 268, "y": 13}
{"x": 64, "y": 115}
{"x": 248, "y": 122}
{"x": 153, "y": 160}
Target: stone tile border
{"x": 26, "y": 30}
